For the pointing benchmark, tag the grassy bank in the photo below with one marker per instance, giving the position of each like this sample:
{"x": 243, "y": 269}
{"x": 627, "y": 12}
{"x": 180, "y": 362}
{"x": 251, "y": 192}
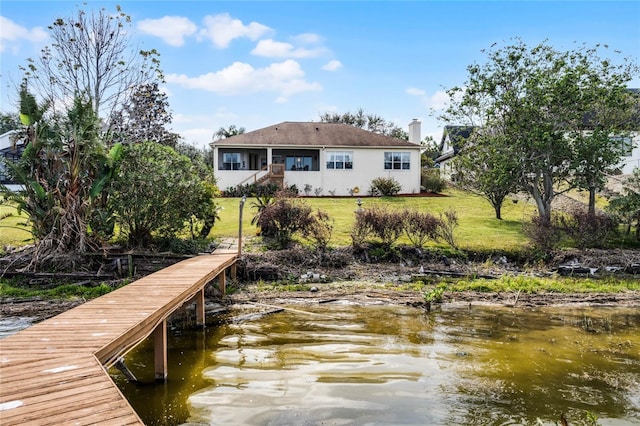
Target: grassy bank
{"x": 18, "y": 289}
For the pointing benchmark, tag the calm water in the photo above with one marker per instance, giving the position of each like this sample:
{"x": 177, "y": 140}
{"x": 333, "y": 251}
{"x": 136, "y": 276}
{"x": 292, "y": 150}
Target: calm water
{"x": 342, "y": 364}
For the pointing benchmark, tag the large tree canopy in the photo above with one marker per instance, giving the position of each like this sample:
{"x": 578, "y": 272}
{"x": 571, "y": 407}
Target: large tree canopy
{"x": 371, "y": 122}
{"x": 144, "y": 117}
{"x": 555, "y": 112}
{"x": 223, "y": 133}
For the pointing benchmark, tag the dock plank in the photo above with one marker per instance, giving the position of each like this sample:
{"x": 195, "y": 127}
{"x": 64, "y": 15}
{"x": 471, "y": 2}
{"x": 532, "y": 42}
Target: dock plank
{"x": 54, "y": 372}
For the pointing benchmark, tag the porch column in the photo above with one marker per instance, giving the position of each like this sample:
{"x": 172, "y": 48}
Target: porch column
{"x": 269, "y": 156}
{"x": 215, "y": 158}
{"x": 160, "y": 351}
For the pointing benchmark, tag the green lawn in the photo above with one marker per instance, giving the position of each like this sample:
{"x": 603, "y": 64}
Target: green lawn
{"x": 478, "y": 228}
{"x": 13, "y": 234}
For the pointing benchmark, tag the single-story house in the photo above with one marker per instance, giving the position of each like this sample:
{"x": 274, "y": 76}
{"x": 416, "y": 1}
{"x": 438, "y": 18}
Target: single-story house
{"x": 10, "y": 151}
{"x": 319, "y": 158}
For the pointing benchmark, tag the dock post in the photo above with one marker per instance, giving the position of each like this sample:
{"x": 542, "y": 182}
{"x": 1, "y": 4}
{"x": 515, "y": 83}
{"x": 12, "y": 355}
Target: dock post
{"x": 234, "y": 271}
{"x": 222, "y": 282}
{"x": 242, "y": 201}
{"x": 200, "y": 320}
{"x": 160, "y": 351}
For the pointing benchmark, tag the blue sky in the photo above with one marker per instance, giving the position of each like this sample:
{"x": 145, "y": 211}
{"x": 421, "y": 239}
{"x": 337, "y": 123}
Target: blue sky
{"x": 255, "y": 64}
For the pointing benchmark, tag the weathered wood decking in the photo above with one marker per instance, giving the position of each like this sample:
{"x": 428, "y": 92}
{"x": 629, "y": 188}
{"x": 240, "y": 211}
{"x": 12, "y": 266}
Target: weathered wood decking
{"x": 55, "y": 372}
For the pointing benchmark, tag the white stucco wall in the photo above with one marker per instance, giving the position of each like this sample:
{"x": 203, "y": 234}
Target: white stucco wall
{"x": 368, "y": 164}
{"x": 633, "y": 161}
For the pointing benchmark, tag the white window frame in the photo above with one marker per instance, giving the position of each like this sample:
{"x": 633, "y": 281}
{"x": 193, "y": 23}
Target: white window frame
{"x": 339, "y": 160}
{"x": 397, "y": 160}
{"x": 231, "y": 156}
{"x": 626, "y": 144}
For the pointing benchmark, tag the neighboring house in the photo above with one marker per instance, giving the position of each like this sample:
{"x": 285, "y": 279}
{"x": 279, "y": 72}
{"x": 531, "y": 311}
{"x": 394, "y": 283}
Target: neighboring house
{"x": 452, "y": 139}
{"x": 319, "y": 158}
{"x": 10, "y": 151}
{"x": 631, "y": 159}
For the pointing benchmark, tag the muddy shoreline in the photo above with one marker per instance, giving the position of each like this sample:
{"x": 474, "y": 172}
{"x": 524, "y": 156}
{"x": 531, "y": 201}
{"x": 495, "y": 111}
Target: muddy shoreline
{"x": 39, "y": 309}
{"x": 350, "y": 279}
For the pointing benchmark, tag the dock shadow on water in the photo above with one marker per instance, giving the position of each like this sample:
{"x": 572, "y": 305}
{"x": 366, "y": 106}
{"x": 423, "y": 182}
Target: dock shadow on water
{"x": 341, "y": 363}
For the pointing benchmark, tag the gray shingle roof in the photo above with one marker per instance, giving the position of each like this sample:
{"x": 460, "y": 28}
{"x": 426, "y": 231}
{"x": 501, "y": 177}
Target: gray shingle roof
{"x": 312, "y": 134}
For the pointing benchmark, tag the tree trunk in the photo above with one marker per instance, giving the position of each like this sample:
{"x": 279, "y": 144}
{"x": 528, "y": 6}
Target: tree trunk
{"x": 592, "y": 201}
{"x": 498, "y": 209}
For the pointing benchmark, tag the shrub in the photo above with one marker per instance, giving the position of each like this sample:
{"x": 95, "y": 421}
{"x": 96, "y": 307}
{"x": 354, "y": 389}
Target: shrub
{"x": 420, "y": 227}
{"x": 252, "y": 190}
{"x": 431, "y": 181}
{"x": 385, "y": 224}
{"x": 319, "y": 230}
{"x": 543, "y": 234}
{"x": 589, "y": 230}
{"x": 446, "y": 227}
{"x": 280, "y": 220}
{"x": 385, "y": 186}
{"x": 360, "y": 230}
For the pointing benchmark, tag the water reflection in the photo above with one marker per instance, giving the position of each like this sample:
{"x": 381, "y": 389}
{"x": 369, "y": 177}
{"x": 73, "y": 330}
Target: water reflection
{"x": 12, "y": 325}
{"x": 349, "y": 364}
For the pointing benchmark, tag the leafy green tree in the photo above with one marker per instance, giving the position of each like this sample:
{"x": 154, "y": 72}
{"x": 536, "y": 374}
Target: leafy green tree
{"x": 232, "y": 130}
{"x": 485, "y": 168}
{"x": 158, "y": 192}
{"x": 362, "y": 120}
{"x": 538, "y": 99}
{"x": 429, "y": 152}
{"x": 144, "y": 118}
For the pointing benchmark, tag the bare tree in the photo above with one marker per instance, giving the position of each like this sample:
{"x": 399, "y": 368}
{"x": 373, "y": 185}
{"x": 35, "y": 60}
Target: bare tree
{"x": 91, "y": 56}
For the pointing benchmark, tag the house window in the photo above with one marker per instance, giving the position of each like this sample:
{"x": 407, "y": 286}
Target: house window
{"x": 342, "y": 160}
{"x": 298, "y": 163}
{"x": 231, "y": 161}
{"x": 397, "y": 160}
{"x": 626, "y": 143}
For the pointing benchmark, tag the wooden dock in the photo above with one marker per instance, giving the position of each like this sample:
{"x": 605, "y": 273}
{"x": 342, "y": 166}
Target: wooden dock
{"x": 55, "y": 372}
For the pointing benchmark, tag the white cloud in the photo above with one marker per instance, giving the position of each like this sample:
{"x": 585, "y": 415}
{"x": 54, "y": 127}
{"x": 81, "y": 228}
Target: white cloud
{"x": 198, "y": 136}
{"x": 11, "y": 34}
{"x": 171, "y": 29}
{"x": 285, "y": 78}
{"x": 439, "y": 100}
{"x": 413, "y": 91}
{"x": 332, "y": 65}
{"x": 222, "y": 30}
{"x": 308, "y": 38}
{"x": 275, "y": 49}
